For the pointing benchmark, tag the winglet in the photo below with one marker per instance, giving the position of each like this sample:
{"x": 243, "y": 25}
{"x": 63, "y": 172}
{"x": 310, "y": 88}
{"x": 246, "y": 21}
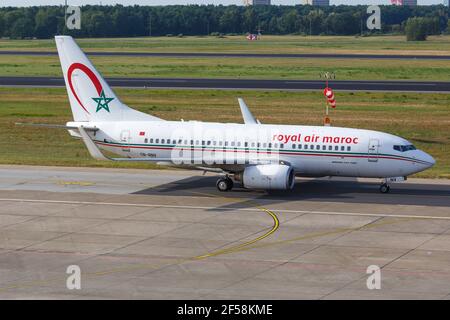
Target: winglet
{"x": 246, "y": 114}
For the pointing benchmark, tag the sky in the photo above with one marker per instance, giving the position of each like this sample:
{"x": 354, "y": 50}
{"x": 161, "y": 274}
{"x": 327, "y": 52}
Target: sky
{"x": 15, "y": 3}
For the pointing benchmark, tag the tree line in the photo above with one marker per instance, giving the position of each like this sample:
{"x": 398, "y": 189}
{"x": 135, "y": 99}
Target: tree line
{"x": 129, "y": 21}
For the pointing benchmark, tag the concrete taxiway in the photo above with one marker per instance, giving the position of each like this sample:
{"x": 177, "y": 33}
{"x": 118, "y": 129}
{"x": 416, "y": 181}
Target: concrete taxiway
{"x": 162, "y": 234}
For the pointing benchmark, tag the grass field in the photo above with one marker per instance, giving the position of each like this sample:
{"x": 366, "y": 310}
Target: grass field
{"x": 268, "y": 44}
{"x": 250, "y": 68}
{"x": 273, "y": 68}
{"x": 424, "y": 119}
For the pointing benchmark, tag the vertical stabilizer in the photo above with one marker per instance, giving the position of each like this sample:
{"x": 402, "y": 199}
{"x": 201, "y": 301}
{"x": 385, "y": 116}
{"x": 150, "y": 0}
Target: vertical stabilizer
{"x": 91, "y": 98}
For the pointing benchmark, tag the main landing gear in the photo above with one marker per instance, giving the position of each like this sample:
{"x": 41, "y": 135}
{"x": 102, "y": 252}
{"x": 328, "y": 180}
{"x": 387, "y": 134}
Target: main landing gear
{"x": 384, "y": 187}
{"x": 224, "y": 184}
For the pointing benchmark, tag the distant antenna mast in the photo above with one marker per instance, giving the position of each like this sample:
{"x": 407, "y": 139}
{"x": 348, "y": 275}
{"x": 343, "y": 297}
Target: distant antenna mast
{"x": 150, "y": 24}
{"x": 65, "y": 17}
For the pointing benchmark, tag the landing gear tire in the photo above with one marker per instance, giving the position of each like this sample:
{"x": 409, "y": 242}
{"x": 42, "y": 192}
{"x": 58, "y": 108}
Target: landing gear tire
{"x": 384, "y": 188}
{"x": 224, "y": 184}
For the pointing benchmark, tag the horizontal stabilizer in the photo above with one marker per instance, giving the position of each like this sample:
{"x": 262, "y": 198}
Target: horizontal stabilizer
{"x": 55, "y": 126}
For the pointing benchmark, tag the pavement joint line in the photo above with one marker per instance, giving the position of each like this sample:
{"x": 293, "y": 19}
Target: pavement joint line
{"x": 227, "y": 209}
{"x": 228, "y": 250}
{"x": 194, "y": 258}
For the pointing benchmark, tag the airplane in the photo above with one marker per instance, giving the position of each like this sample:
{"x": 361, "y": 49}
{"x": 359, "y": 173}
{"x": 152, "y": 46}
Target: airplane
{"x": 259, "y": 156}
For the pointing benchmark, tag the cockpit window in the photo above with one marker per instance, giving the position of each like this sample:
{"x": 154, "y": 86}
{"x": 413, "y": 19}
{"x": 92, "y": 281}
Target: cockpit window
{"x": 408, "y": 147}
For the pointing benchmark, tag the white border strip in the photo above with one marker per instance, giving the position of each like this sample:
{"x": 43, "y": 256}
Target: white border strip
{"x": 225, "y": 209}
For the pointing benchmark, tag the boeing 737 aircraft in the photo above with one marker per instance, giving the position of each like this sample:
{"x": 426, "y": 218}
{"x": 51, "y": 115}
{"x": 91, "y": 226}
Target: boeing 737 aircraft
{"x": 259, "y": 156}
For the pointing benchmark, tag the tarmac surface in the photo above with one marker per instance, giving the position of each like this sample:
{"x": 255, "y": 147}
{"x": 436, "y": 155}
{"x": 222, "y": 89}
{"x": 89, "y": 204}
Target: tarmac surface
{"x": 238, "y": 55}
{"x": 239, "y": 84}
{"x": 164, "y": 234}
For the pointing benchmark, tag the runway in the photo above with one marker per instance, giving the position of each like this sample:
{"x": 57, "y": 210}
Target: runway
{"x": 240, "y": 55}
{"x": 239, "y": 84}
{"x": 163, "y": 234}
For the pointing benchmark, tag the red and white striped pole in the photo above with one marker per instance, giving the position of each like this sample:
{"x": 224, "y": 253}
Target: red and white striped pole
{"x": 330, "y": 97}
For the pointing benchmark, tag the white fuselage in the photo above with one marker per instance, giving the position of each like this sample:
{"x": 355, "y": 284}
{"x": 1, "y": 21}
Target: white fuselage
{"x": 310, "y": 150}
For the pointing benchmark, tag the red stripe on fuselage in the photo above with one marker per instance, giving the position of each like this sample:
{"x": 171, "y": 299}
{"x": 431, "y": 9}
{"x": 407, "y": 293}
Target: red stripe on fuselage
{"x": 252, "y": 151}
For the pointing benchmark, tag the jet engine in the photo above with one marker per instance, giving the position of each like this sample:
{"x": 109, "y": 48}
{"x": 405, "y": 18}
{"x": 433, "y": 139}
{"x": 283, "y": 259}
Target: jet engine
{"x": 268, "y": 176}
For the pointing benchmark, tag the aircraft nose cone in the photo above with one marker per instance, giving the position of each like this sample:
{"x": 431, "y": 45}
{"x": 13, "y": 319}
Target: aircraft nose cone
{"x": 428, "y": 159}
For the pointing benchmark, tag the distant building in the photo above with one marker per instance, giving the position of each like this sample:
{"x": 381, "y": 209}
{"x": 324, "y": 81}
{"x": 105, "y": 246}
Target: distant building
{"x": 317, "y": 2}
{"x": 256, "y": 2}
{"x": 410, "y": 2}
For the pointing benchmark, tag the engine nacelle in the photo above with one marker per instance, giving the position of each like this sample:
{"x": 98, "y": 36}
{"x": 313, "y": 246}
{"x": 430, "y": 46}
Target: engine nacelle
{"x": 269, "y": 177}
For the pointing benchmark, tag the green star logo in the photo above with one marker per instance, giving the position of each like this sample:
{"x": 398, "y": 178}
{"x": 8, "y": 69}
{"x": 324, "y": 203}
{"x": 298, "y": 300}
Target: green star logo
{"x": 102, "y": 102}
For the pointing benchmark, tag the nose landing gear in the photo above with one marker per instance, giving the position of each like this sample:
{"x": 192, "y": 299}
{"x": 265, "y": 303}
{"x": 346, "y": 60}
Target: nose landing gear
{"x": 385, "y": 188}
{"x": 224, "y": 184}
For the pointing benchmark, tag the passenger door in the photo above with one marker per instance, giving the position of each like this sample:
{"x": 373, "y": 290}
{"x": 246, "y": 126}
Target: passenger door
{"x": 373, "y": 150}
{"x": 125, "y": 140}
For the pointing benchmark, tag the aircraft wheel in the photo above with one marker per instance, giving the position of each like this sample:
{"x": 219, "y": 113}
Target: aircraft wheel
{"x": 224, "y": 184}
{"x": 384, "y": 188}
{"x": 230, "y": 183}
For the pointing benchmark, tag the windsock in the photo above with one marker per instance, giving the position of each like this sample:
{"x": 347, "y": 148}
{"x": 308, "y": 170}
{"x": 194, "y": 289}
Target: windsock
{"x": 330, "y": 96}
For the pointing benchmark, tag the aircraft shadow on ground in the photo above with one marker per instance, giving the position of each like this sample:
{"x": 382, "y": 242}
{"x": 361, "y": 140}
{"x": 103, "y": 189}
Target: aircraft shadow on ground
{"x": 322, "y": 190}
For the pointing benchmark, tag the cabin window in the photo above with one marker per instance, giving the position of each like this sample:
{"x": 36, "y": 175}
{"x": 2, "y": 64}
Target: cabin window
{"x": 258, "y": 145}
{"x": 305, "y": 146}
{"x": 151, "y": 140}
{"x": 330, "y": 148}
{"x": 185, "y": 142}
{"x": 275, "y": 145}
{"x": 299, "y": 146}
{"x": 197, "y": 142}
{"x": 157, "y": 140}
{"x": 163, "y": 141}
{"x": 214, "y": 143}
{"x": 342, "y": 148}
{"x": 317, "y": 147}
{"x": 174, "y": 141}
{"x": 232, "y": 143}
{"x": 220, "y": 143}
{"x": 336, "y": 148}
{"x": 208, "y": 142}
{"x": 246, "y": 144}
{"x": 238, "y": 143}
{"x": 203, "y": 142}
{"x": 281, "y": 145}
{"x": 324, "y": 147}
{"x": 226, "y": 143}
{"x": 349, "y": 148}
{"x": 145, "y": 140}
{"x": 293, "y": 146}
{"x": 270, "y": 145}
